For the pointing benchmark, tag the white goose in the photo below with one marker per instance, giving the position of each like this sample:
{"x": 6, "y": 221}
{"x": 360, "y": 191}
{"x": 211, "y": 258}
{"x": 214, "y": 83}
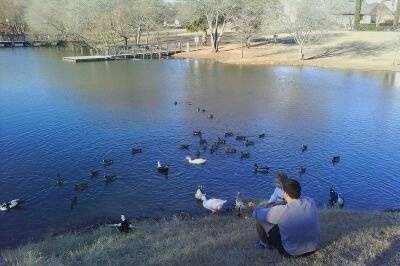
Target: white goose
{"x": 196, "y": 161}
{"x": 213, "y": 205}
{"x": 9, "y": 205}
{"x": 199, "y": 193}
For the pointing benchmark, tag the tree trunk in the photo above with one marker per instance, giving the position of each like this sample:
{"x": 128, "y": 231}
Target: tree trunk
{"x": 139, "y": 32}
{"x": 357, "y": 14}
{"x": 241, "y": 44}
{"x": 248, "y": 42}
{"x": 204, "y": 38}
{"x": 301, "y": 53}
{"x": 126, "y": 42}
{"x": 396, "y": 15}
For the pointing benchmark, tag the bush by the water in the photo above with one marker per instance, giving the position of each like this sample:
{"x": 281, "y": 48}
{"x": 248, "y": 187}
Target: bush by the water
{"x": 349, "y": 238}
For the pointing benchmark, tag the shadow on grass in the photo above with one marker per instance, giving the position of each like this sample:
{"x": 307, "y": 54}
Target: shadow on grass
{"x": 354, "y": 48}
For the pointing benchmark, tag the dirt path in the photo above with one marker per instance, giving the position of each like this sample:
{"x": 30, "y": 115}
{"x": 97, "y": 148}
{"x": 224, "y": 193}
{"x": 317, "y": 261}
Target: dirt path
{"x": 344, "y": 50}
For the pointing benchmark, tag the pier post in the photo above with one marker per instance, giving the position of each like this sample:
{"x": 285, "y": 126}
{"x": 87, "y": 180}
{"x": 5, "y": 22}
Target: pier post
{"x": 188, "y": 47}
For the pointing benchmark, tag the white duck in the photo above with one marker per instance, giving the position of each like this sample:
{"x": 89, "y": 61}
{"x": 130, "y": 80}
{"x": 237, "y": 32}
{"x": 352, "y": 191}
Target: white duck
{"x": 213, "y": 205}
{"x": 196, "y": 161}
{"x": 199, "y": 193}
{"x": 9, "y": 205}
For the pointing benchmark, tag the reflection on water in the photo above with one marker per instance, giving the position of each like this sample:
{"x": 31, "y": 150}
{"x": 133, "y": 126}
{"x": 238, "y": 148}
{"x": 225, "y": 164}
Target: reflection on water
{"x": 58, "y": 117}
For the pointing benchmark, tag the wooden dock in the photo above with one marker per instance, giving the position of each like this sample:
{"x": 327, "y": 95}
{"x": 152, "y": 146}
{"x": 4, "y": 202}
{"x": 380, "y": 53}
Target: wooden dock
{"x": 132, "y": 55}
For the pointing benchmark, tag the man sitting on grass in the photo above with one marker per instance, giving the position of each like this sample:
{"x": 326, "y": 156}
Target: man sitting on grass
{"x": 293, "y": 229}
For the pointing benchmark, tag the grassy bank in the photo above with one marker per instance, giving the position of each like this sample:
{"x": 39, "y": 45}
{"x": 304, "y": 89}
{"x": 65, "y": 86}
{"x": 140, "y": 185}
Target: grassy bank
{"x": 343, "y": 50}
{"x": 349, "y": 238}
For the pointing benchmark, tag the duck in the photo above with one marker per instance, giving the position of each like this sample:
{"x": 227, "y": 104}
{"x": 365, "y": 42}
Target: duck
{"x": 249, "y": 142}
{"x": 199, "y": 192}
{"x": 136, "y": 150}
{"x": 81, "y": 186}
{"x": 107, "y": 162}
{"x": 60, "y": 180}
{"x": 198, "y": 109}
{"x": 124, "y": 226}
{"x": 239, "y": 204}
{"x": 335, "y": 159}
{"x": 302, "y": 170}
{"x": 94, "y": 173}
{"x": 241, "y": 138}
{"x": 109, "y": 178}
{"x": 6, "y": 206}
{"x": 228, "y": 134}
{"x": 244, "y": 155}
{"x": 184, "y": 146}
{"x": 214, "y": 205}
{"x": 73, "y": 201}
{"x": 214, "y": 148}
{"x": 162, "y": 168}
{"x": 202, "y": 141}
{"x": 230, "y": 150}
{"x": 221, "y": 141}
{"x": 304, "y": 148}
{"x": 210, "y": 116}
{"x": 197, "y": 133}
{"x": 196, "y": 161}
{"x": 261, "y": 136}
{"x": 335, "y": 201}
{"x": 204, "y": 110}
{"x": 260, "y": 168}
{"x": 175, "y": 103}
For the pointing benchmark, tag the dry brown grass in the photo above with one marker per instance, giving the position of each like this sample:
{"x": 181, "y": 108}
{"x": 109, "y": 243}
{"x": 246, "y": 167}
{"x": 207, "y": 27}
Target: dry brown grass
{"x": 344, "y": 50}
{"x": 349, "y": 238}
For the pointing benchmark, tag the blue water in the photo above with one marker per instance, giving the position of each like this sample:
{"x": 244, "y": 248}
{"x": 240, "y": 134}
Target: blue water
{"x": 58, "y": 117}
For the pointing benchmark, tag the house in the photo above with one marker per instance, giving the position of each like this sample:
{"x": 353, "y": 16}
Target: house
{"x": 380, "y": 12}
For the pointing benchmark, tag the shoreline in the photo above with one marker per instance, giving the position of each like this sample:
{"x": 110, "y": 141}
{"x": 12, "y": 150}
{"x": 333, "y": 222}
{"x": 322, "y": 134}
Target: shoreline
{"x": 226, "y": 239}
{"x": 363, "y": 51}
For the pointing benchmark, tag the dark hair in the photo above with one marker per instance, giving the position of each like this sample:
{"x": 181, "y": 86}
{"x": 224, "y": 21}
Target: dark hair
{"x": 292, "y": 188}
{"x": 281, "y": 177}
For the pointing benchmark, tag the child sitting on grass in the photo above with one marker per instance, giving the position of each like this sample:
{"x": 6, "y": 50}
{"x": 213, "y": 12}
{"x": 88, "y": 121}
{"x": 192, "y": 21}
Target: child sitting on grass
{"x": 277, "y": 196}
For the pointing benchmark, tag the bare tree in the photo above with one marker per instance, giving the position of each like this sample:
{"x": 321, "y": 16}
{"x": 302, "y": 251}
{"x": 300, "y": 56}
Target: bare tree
{"x": 305, "y": 21}
{"x": 396, "y": 15}
{"x": 357, "y": 14}
{"x": 248, "y": 20}
{"x": 218, "y": 13}
{"x": 12, "y": 20}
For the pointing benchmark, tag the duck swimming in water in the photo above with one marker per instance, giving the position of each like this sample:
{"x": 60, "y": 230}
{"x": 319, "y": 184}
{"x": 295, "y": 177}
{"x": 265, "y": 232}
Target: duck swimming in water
{"x": 228, "y": 134}
{"x": 197, "y": 161}
{"x": 6, "y": 206}
{"x": 304, "y": 148}
{"x": 60, "y": 180}
{"x": 136, "y": 150}
{"x": 244, "y": 155}
{"x": 214, "y": 205}
{"x": 230, "y": 150}
{"x": 335, "y": 201}
{"x": 199, "y": 193}
{"x": 94, "y": 173}
{"x": 302, "y": 170}
{"x": 197, "y": 133}
{"x": 184, "y": 146}
{"x": 162, "y": 168}
{"x": 73, "y": 201}
{"x": 241, "y": 138}
{"x": 109, "y": 178}
{"x": 261, "y": 168}
{"x": 335, "y": 160}
{"x": 210, "y": 116}
{"x": 261, "y": 136}
{"x": 81, "y": 186}
{"x": 249, "y": 142}
{"x": 107, "y": 162}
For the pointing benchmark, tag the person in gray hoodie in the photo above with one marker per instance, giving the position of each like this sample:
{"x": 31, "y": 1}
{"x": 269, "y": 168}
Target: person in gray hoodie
{"x": 293, "y": 229}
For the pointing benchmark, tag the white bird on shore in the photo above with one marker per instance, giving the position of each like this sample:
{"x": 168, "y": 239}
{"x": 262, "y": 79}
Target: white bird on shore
{"x": 196, "y": 161}
{"x": 199, "y": 192}
{"x": 214, "y": 205}
{"x": 9, "y": 205}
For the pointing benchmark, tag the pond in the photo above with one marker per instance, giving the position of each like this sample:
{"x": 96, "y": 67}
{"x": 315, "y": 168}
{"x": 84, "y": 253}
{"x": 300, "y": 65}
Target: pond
{"x": 64, "y": 118}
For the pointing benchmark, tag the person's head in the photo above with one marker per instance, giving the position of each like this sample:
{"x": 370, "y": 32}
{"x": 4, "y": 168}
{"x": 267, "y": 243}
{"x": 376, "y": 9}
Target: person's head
{"x": 291, "y": 190}
{"x": 280, "y": 179}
